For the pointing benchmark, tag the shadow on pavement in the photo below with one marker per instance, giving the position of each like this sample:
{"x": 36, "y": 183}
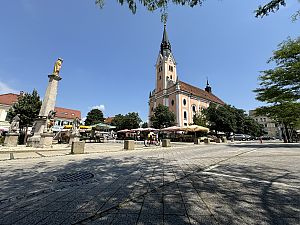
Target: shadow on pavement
{"x": 132, "y": 190}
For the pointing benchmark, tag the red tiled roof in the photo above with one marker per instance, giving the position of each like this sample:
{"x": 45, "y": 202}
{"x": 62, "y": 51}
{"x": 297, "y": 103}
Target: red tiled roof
{"x": 67, "y": 113}
{"x": 8, "y": 99}
{"x": 200, "y": 93}
{"x": 108, "y": 120}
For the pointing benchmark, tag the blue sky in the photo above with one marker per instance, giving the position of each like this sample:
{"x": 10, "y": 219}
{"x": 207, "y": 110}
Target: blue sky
{"x": 109, "y": 54}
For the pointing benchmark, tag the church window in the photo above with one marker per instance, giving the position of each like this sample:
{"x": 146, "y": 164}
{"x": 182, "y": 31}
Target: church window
{"x": 160, "y": 77}
{"x": 184, "y": 101}
{"x": 167, "y": 77}
{"x": 194, "y": 108}
{"x": 172, "y": 102}
{"x": 185, "y": 124}
{"x": 185, "y": 115}
{"x": 171, "y": 68}
{"x": 171, "y": 77}
{"x": 152, "y": 109}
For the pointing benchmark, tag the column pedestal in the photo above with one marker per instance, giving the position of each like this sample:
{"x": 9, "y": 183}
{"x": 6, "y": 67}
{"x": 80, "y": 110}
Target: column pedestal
{"x": 46, "y": 140}
{"x": 11, "y": 140}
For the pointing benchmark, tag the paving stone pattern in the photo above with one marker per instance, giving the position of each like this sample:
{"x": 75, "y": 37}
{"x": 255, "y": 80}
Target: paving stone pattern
{"x": 185, "y": 184}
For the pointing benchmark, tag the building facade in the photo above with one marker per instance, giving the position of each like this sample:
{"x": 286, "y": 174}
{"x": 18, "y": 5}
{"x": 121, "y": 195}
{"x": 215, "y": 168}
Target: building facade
{"x": 270, "y": 127}
{"x": 63, "y": 116}
{"x": 183, "y": 99}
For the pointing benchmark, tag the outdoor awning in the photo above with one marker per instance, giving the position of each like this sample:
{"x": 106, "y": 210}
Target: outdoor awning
{"x": 195, "y": 128}
{"x": 171, "y": 129}
{"x": 103, "y": 126}
{"x": 80, "y": 127}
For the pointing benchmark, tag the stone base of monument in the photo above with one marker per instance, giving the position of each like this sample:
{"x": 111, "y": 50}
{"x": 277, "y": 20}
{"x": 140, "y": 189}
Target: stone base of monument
{"x": 129, "y": 144}
{"x": 166, "y": 143}
{"x": 77, "y": 147}
{"x": 11, "y": 139}
{"x": 206, "y": 141}
{"x": 74, "y": 138}
{"x": 33, "y": 141}
{"x": 46, "y": 140}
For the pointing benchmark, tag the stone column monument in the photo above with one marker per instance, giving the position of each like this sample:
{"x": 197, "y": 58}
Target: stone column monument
{"x": 42, "y": 133}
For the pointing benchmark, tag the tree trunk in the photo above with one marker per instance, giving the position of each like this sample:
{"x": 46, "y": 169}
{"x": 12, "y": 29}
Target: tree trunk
{"x": 283, "y": 134}
{"x": 288, "y": 137}
{"x": 25, "y": 137}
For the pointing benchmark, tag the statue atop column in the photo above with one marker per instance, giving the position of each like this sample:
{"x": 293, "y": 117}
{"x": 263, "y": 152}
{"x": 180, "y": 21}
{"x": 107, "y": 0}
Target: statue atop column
{"x": 57, "y": 66}
{"x": 15, "y": 123}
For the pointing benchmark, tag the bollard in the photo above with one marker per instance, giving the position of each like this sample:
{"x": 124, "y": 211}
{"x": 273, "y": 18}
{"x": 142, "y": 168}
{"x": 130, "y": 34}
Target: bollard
{"x": 129, "y": 144}
{"x": 206, "y": 141}
{"x": 197, "y": 141}
{"x": 77, "y": 147}
{"x": 166, "y": 143}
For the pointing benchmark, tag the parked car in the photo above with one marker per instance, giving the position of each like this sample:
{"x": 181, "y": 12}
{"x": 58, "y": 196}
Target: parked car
{"x": 239, "y": 137}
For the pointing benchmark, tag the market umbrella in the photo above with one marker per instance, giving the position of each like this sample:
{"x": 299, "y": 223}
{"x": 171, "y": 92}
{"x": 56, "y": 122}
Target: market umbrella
{"x": 173, "y": 128}
{"x": 103, "y": 126}
{"x": 195, "y": 128}
{"x": 124, "y": 131}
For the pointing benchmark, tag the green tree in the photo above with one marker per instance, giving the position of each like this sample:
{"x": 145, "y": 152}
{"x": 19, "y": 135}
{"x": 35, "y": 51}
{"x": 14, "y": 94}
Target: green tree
{"x": 93, "y": 117}
{"x": 220, "y": 118}
{"x": 200, "y": 119}
{"x": 162, "y": 117}
{"x": 118, "y": 121}
{"x": 280, "y": 87}
{"x": 129, "y": 121}
{"x": 227, "y": 119}
{"x": 281, "y": 84}
{"x": 162, "y": 5}
{"x": 28, "y": 106}
{"x": 145, "y": 125}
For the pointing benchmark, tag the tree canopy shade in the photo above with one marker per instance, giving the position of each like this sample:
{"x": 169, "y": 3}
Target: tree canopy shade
{"x": 162, "y": 117}
{"x": 282, "y": 84}
{"x": 152, "y": 5}
{"x": 129, "y": 121}
{"x": 280, "y": 87}
{"x": 93, "y": 117}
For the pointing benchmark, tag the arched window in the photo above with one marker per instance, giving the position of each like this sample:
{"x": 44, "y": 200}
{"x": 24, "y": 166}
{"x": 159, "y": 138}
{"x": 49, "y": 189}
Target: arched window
{"x": 194, "y": 108}
{"x": 185, "y": 115}
{"x": 184, "y": 101}
{"x": 172, "y": 102}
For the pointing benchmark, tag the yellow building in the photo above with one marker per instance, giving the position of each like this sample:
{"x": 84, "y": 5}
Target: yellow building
{"x": 183, "y": 99}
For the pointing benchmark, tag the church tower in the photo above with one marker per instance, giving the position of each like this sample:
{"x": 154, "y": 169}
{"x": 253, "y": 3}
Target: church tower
{"x": 166, "y": 75}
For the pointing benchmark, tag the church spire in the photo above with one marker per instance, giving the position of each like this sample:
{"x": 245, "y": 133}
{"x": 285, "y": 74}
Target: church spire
{"x": 165, "y": 46}
{"x": 208, "y": 87}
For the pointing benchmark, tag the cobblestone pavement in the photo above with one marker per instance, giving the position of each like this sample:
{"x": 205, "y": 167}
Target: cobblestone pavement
{"x": 185, "y": 184}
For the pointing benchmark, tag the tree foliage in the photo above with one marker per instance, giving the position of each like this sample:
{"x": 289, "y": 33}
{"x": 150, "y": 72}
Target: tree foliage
{"x": 145, "y": 125}
{"x": 200, "y": 119}
{"x": 162, "y": 5}
{"x": 162, "y": 117}
{"x": 282, "y": 84}
{"x": 28, "y": 106}
{"x": 280, "y": 87}
{"x": 129, "y": 121}
{"x": 93, "y": 117}
{"x": 229, "y": 119}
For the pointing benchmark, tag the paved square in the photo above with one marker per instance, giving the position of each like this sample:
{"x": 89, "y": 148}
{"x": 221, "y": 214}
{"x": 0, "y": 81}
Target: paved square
{"x": 183, "y": 184}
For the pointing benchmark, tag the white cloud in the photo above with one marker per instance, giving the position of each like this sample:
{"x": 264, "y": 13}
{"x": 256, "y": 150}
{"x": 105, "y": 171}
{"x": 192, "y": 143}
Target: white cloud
{"x": 4, "y": 88}
{"x": 100, "y": 107}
